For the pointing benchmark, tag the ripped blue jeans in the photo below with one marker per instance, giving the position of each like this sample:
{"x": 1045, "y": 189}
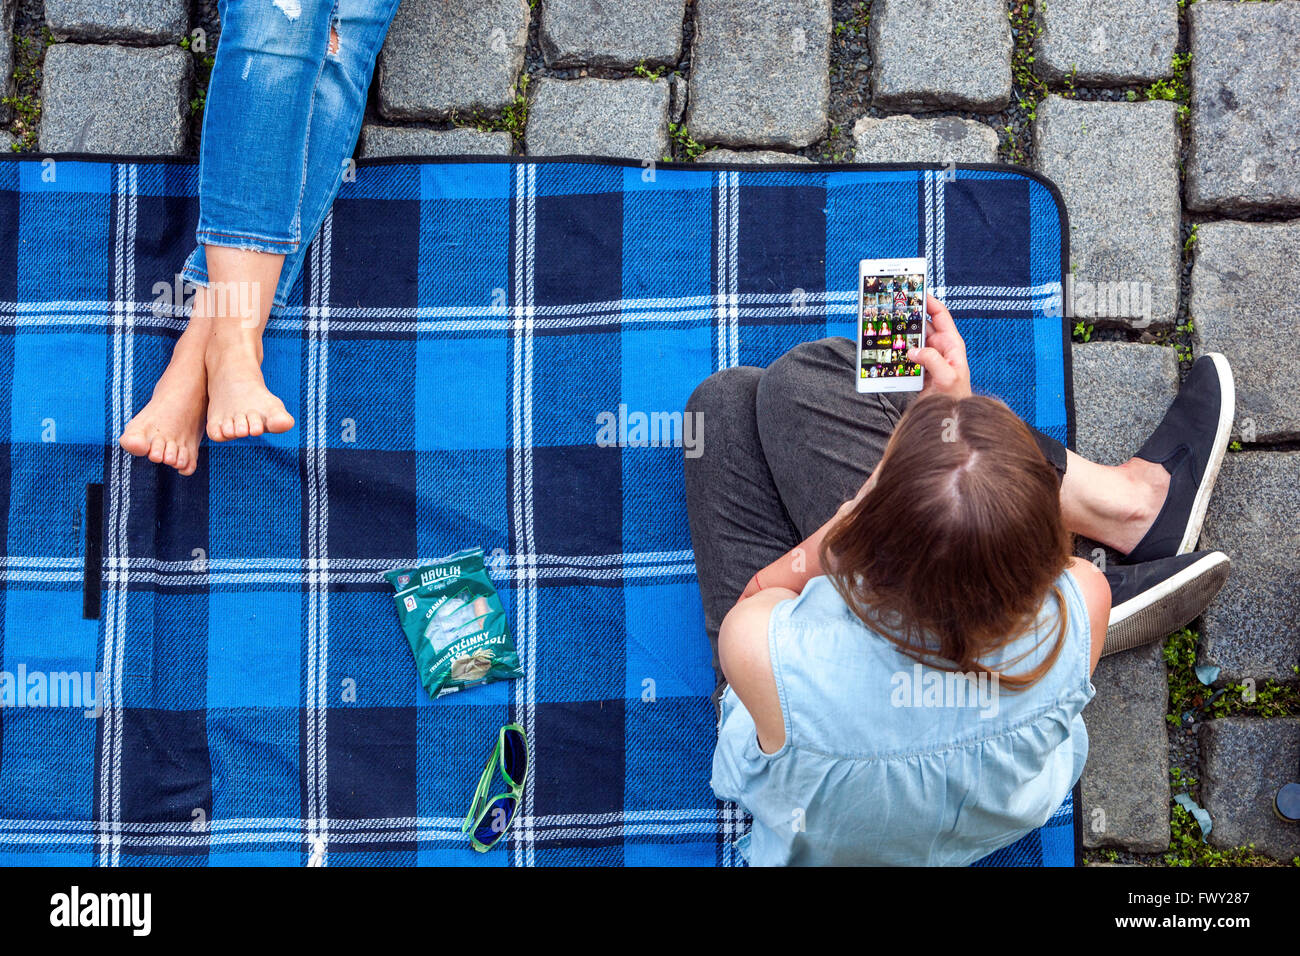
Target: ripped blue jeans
{"x": 284, "y": 108}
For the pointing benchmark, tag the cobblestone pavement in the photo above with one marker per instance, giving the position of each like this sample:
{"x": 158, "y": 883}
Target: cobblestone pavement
{"x": 1172, "y": 129}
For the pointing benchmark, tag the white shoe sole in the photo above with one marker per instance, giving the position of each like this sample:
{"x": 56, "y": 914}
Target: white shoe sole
{"x": 1227, "y": 412}
{"x": 1171, "y": 604}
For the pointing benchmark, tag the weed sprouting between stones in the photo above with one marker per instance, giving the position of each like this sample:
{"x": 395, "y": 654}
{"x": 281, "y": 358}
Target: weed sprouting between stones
{"x": 29, "y": 55}
{"x": 1187, "y": 695}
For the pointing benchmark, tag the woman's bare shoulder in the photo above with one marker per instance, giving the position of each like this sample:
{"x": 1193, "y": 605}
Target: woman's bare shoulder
{"x": 747, "y": 663}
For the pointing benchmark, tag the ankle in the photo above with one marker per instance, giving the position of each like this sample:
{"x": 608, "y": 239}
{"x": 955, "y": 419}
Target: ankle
{"x": 1148, "y": 487}
{"x": 232, "y": 349}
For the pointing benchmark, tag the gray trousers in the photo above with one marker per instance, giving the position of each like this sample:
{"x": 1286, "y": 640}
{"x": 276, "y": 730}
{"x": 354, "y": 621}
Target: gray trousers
{"x": 783, "y": 448}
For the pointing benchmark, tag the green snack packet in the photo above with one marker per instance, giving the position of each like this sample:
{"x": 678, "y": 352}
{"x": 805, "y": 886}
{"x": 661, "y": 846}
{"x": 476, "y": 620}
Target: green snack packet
{"x": 452, "y": 617}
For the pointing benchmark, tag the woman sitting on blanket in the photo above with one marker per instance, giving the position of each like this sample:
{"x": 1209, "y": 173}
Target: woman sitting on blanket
{"x": 273, "y": 155}
{"x": 889, "y": 588}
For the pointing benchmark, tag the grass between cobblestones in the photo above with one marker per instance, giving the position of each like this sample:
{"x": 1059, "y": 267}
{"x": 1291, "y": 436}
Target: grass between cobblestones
{"x": 1191, "y": 701}
{"x": 29, "y": 55}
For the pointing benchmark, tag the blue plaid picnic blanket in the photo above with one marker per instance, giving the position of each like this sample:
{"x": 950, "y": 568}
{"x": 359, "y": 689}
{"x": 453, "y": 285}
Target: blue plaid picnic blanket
{"x": 458, "y": 330}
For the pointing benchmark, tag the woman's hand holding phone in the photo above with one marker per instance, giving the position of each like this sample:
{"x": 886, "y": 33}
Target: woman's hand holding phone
{"x": 947, "y": 373}
{"x": 944, "y": 355}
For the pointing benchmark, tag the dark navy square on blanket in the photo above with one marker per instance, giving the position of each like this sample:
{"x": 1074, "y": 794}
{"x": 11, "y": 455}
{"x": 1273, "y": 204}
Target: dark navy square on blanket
{"x": 579, "y": 761}
{"x": 986, "y": 241}
{"x": 9, "y": 220}
{"x": 165, "y": 225}
{"x": 577, "y": 495}
{"x": 781, "y": 242}
{"x": 371, "y": 502}
{"x": 367, "y": 231}
{"x": 372, "y": 763}
{"x": 165, "y": 766}
{"x": 174, "y": 527}
{"x": 577, "y": 253}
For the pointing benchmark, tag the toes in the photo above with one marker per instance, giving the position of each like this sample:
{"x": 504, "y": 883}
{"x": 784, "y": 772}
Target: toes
{"x": 134, "y": 442}
{"x": 187, "y": 462}
{"x": 182, "y": 458}
{"x": 156, "y": 449}
{"x": 228, "y": 427}
{"x": 255, "y": 424}
{"x": 241, "y": 426}
{"x": 169, "y": 454}
{"x": 279, "y": 421}
{"x": 214, "y": 430}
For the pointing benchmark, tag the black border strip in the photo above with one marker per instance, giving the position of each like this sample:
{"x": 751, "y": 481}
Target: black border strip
{"x": 91, "y": 574}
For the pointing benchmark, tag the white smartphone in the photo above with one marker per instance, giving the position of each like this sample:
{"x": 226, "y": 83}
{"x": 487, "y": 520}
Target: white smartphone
{"x": 891, "y": 319}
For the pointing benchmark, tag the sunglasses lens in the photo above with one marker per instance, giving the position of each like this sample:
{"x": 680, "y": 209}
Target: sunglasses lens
{"x": 495, "y": 820}
{"x": 514, "y": 756}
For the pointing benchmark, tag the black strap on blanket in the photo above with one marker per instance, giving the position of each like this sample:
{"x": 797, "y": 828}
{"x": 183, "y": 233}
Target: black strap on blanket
{"x": 91, "y": 580}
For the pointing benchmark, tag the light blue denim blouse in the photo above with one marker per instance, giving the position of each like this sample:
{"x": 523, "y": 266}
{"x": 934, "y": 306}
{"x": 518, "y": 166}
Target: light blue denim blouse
{"x": 890, "y": 762}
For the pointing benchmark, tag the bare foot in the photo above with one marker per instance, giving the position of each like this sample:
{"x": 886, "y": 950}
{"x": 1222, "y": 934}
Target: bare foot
{"x": 167, "y": 429}
{"x": 239, "y": 403}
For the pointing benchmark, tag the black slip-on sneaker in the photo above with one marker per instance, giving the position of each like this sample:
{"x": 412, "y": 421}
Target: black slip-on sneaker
{"x": 1150, "y": 601}
{"x": 1189, "y": 442}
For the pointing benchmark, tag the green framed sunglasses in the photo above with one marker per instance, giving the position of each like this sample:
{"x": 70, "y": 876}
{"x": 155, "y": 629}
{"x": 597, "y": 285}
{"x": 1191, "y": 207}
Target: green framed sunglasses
{"x": 489, "y": 818}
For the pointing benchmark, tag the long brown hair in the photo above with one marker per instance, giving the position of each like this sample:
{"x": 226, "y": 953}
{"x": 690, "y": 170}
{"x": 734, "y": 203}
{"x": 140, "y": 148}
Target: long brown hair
{"x": 953, "y": 551}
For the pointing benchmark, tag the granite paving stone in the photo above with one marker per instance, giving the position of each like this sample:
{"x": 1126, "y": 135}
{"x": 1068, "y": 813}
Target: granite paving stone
{"x": 7, "y": 9}
{"x": 1106, "y": 42}
{"x": 1116, "y": 164}
{"x": 757, "y": 157}
{"x": 379, "y": 140}
{"x": 1126, "y": 780}
{"x": 1245, "y": 108}
{"x": 1243, "y": 304}
{"x": 1252, "y": 630}
{"x": 760, "y": 73}
{"x": 104, "y": 98}
{"x": 932, "y": 54}
{"x": 907, "y": 139}
{"x": 612, "y": 33}
{"x": 441, "y": 56}
{"x": 621, "y": 118}
{"x": 1245, "y": 760}
{"x": 1121, "y": 392}
{"x": 142, "y": 21}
